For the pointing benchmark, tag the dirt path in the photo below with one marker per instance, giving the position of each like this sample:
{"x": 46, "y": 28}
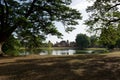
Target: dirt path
{"x": 77, "y": 67}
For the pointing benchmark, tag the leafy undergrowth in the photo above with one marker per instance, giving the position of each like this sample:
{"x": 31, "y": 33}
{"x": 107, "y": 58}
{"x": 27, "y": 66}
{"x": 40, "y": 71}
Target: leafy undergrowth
{"x": 77, "y": 67}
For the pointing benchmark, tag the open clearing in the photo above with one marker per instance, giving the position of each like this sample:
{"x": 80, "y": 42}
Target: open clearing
{"x": 76, "y": 67}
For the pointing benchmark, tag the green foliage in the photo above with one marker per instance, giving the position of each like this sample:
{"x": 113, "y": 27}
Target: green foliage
{"x": 93, "y": 41}
{"x": 11, "y": 46}
{"x": 50, "y": 44}
{"x": 69, "y": 29}
{"x": 31, "y": 41}
{"x": 118, "y": 43}
{"x": 82, "y": 41}
{"x": 32, "y": 20}
{"x": 105, "y": 20}
{"x": 39, "y": 15}
{"x": 109, "y": 37}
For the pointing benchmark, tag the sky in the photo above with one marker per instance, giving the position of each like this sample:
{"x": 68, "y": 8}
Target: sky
{"x": 81, "y": 6}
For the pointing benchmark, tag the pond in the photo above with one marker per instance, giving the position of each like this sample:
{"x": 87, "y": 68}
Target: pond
{"x": 60, "y": 52}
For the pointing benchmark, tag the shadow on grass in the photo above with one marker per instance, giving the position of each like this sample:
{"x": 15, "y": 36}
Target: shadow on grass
{"x": 80, "y": 67}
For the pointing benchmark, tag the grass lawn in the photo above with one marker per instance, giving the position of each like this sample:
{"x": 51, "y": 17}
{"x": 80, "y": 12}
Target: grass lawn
{"x": 75, "y": 67}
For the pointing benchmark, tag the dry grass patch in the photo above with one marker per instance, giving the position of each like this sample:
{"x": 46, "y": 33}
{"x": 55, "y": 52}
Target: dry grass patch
{"x": 77, "y": 67}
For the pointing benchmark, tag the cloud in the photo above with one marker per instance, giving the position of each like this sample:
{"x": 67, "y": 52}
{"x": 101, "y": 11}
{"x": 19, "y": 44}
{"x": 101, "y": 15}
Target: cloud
{"x": 80, "y": 4}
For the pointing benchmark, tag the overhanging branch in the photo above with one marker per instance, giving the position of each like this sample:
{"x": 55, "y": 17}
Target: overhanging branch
{"x": 113, "y": 6}
{"x": 114, "y": 20}
{"x": 30, "y": 9}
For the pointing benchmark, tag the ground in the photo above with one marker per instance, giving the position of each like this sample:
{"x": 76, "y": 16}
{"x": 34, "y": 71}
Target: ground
{"x": 76, "y": 67}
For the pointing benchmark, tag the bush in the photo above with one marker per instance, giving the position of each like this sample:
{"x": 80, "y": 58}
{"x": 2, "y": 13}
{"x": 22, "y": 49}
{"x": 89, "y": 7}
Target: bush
{"x": 11, "y": 47}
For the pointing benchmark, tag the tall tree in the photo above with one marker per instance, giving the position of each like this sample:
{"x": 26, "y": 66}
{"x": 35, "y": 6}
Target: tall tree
{"x": 82, "y": 41}
{"x": 34, "y": 17}
{"x": 105, "y": 19}
{"x": 108, "y": 37}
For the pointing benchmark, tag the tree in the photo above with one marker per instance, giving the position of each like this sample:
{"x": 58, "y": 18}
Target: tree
{"x": 105, "y": 20}
{"x": 109, "y": 37}
{"x": 93, "y": 41}
{"x": 82, "y": 41}
{"x": 118, "y": 43}
{"x": 50, "y": 44}
{"x": 31, "y": 41}
{"x": 34, "y": 17}
{"x": 11, "y": 46}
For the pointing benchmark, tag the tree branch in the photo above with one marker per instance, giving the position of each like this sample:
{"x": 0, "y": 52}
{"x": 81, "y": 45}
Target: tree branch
{"x": 113, "y": 6}
{"x": 30, "y": 9}
{"x": 114, "y": 20}
{"x": 26, "y": 15}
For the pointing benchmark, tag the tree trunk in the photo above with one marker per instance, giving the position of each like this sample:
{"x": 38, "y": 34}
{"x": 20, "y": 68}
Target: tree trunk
{"x": 1, "y": 52}
{"x": 3, "y": 37}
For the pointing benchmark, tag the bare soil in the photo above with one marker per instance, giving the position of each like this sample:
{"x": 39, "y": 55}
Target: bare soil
{"x": 76, "y": 67}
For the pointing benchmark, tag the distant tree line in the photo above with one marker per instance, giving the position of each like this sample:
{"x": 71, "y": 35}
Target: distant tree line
{"x": 83, "y": 41}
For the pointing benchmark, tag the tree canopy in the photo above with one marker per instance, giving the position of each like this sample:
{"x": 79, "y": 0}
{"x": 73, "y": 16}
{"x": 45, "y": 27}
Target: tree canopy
{"x": 93, "y": 41}
{"x": 35, "y": 18}
{"x": 105, "y": 19}
{"x": 82, "y": 41}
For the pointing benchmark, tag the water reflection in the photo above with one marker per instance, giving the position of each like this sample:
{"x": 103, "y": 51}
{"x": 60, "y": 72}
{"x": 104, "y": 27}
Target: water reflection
{"x": 59, "y": 52}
